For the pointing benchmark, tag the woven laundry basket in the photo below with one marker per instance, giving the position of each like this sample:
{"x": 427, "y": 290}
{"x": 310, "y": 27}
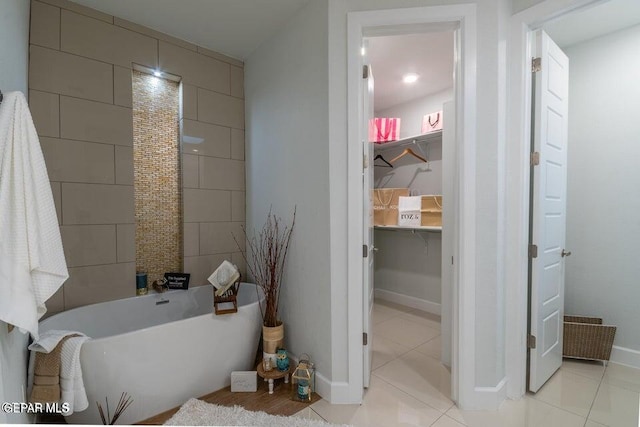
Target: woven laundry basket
{"x": 587, "y": 338}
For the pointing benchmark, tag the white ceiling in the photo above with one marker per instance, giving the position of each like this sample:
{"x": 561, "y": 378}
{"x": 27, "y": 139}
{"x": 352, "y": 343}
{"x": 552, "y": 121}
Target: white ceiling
{"x": 594, "y": 21}
{"x": 233, "y": 27}
{"x": 430, "y": 55}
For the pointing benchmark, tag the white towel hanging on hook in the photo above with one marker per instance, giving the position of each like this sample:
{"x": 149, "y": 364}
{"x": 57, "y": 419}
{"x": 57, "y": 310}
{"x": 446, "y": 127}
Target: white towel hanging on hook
{"x": 32, "y": 264}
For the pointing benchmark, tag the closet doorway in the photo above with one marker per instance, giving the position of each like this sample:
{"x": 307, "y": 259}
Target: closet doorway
{"x": 410, "y": 119}
{"x": 430, "y": 166}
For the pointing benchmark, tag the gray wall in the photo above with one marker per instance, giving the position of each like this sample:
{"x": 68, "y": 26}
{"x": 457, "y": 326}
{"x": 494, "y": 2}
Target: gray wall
{"x": 412, "y": 112}
{"x": 603, "y": 200}
{"x": 14, "y": 59}
{"x": 81, "y": 98}
{"x": 287, "y": 157}
{"x": 404, "y": 263}
{"x": 14, "y": 29}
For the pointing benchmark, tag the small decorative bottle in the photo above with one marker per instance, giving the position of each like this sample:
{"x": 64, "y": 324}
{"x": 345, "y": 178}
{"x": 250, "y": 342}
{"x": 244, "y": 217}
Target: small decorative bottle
{"x": 303, "y": 390}
{"x": 141, "y": 284}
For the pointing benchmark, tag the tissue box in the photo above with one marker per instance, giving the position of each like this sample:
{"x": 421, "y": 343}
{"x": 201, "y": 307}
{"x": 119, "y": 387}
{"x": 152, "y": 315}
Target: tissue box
{"x": 244, "y": 381}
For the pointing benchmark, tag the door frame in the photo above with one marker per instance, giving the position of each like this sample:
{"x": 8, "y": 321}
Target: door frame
{"x": 521, "y": 28}
{"x": 411, "y": 20}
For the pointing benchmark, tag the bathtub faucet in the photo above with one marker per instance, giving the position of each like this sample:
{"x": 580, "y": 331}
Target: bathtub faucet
{"x": 160, "y": 285}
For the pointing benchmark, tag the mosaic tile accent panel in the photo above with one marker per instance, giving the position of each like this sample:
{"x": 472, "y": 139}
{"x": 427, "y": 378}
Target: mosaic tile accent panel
{"x": 156, "y": 159}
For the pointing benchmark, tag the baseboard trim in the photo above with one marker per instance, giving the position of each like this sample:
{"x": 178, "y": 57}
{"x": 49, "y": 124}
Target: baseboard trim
{"x": 337, "y": 393}
{"x": 489, "y": 398}
{"x": 323, "y": 387}
{"x": 333, "y": 392}
{"x": 413, "y": 302}
{"x": 625, "y": 356}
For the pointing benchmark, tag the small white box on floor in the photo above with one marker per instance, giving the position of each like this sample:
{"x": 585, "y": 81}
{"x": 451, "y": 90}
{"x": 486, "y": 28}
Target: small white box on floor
{"x": 244, "y": 381}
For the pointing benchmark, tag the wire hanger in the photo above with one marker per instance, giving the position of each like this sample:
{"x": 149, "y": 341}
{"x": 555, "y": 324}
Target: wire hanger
{"x": 379, "y": 156}
{"x": 408, "y": 151}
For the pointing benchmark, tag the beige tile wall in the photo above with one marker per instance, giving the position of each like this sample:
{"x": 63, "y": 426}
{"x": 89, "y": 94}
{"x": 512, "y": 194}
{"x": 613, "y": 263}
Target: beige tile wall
{"x": 81, "y": 99}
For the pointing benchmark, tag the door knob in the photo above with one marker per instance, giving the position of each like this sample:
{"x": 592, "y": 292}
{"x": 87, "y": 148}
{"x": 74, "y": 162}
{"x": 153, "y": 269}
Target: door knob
{"x": 565, "y": 253}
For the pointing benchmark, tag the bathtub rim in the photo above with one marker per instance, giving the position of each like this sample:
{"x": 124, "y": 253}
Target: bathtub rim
{"x": 150, "y": 295}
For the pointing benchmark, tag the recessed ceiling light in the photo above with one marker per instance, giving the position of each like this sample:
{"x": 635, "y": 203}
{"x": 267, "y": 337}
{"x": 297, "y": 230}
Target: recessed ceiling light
{"x": 410, "y": 78}
{"x": 157, "y": 73}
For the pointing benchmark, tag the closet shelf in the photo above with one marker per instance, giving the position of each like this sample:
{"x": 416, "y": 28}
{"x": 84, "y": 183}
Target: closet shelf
{"x": 435, "y": 136}
{"x": 435, "y": 229}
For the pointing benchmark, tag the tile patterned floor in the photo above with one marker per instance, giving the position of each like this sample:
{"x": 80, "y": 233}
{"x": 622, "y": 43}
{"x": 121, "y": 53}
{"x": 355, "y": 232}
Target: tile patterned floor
{"x": 410, "y": 387}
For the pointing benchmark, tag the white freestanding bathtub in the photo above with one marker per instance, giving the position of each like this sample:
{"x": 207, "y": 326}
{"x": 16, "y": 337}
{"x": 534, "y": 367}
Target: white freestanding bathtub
{"x": 161, "y": 349}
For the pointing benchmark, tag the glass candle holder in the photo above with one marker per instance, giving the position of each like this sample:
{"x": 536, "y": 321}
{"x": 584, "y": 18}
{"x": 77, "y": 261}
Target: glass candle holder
{"x": 303, "y": 380}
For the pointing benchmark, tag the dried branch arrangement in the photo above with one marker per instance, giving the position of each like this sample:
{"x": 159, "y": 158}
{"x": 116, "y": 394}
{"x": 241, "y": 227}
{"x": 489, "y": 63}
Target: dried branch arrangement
{"x": 124, "y": 402}
{"x": 265, "y": 258}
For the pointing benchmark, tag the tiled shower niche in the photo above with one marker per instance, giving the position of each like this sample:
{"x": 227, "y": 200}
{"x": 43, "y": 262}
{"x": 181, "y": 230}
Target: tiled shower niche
{"x": 156, "y": 167}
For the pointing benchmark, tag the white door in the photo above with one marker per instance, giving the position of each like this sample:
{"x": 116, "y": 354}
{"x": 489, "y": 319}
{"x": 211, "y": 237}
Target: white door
{"x": 448, "y": 210}
{"x": 549, "y": 189}
{"x": 368, "y": 252}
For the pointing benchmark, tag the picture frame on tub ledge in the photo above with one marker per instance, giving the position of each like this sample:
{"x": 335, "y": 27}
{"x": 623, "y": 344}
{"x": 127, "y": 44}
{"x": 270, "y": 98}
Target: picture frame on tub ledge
{"x": 177, "y": 280}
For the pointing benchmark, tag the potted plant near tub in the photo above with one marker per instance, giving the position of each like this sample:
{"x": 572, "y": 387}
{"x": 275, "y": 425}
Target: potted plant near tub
{"x": 265, "y": 258}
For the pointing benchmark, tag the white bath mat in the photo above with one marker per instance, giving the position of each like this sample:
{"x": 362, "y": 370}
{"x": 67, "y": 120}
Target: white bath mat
{"x": 198, "y": 413}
